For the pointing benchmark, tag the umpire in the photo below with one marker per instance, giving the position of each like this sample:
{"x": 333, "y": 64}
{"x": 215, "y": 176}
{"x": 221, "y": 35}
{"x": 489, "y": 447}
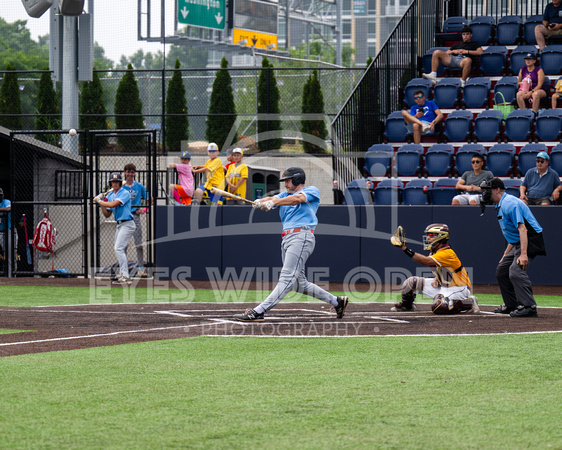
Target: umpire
{"x": 524, "y": 241}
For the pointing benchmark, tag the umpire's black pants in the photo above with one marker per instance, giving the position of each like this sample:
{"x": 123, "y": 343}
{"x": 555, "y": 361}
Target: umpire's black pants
{"x": 514, "y": 282}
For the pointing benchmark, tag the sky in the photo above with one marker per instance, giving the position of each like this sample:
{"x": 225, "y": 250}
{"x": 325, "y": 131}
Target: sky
{"x": 115, "y": 25}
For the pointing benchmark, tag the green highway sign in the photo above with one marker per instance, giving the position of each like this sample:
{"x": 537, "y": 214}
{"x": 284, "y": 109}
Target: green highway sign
{"x": 202, "y": 13}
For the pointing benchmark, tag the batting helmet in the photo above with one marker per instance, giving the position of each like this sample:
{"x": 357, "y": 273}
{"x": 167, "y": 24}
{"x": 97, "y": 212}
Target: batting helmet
{"x": 440, "y": 233}
{"x": 295, "y": 174}
{"x": 116, "y": 176}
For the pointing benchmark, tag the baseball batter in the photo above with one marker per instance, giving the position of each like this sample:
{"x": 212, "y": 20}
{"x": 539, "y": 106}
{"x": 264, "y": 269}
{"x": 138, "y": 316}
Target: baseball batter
{"x": 450, "y": 289}
{"x": 297, "y": 209}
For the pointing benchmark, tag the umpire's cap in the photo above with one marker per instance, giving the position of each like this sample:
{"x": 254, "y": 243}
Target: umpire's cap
{"x": 494, "y": 183}
{"x": 296, "y": 174}
{"x": 116, "y": 176}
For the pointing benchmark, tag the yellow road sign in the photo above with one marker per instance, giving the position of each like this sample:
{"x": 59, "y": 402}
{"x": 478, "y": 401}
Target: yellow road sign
{"x": 254, "y": 38}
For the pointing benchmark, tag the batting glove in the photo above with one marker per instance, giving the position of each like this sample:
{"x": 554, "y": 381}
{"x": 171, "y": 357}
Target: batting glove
{"x": 257, "y": 205}
{"x": 268, "y": 206}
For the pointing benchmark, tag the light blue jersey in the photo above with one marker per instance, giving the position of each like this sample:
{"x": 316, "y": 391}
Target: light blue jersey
{"x": 7, "y": 217}
{"x": 122, "y": 212}
{"x": 303, "y": 214}
{"x": 138, "y": 192}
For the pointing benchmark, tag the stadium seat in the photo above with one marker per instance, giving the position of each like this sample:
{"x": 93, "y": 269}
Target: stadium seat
{"x": 426, "y": 60}
{"x": 499, "y": 159}
{"x": 409, "y": 159}
{"x": 512, "y": 186}
{"x": 359, "y": 192}
{"x": 483, "y": 28}
{"x": 388, "y": 192}
{"x": 395, "y": 127}
{"x": 416, "y": 192}
{"x": 529, "y": 28}
{"x": 452, "y": 27}
{"x": 508, "y": 30}
{"x": 377, "y": 159}
{"x": 476, "y": 92}
{"x": 488, "y": 125}
{"x": 518, "y": 124}
{"x": 556, "y": 158}
{"x": 438, "y": 159}
{"x": 413, "y": 85}
{"x": 443, "y": 191}
{"x": 463, "y": 157}
{"x": 508, "y": 87}
{"x": 493, "y": 60}
{"x": 527, "y": 157}
{"x": 457, "y": 125}
{"x": 446, "y": 92}
{"x": 551, "y": 59}
{"x": 517, "y": 57}
{"x": 549, "y": 124}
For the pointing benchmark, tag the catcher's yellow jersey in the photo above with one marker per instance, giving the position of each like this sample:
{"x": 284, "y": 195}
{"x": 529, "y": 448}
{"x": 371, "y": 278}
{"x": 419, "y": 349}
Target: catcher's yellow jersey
{"x": 449, "y": 269}
{"x": 215, "y": 178}
{"x": 235, "y": 172}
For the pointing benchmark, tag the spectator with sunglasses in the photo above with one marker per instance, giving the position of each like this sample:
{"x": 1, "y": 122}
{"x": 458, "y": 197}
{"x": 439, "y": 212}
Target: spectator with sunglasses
{"x": 422, "y": 117}
{"x": 542, "y": 184}
{"x": 470, "y": 182}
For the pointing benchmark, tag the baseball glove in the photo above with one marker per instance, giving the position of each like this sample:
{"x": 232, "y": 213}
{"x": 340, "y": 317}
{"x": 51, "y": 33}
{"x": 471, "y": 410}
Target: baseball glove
{"x": 398, "y": 239}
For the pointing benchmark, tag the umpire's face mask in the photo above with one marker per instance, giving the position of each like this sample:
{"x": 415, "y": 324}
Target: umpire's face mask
{"x": 486, "y": 200}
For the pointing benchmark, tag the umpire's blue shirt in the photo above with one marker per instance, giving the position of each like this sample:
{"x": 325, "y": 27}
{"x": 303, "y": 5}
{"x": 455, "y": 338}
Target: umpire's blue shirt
{"x": 512, "y": 211}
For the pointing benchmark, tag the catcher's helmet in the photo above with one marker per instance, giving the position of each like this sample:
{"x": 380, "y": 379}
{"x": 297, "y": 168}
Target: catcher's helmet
{"x": 295, "y": 174}
{"x": 116, "y": 176}
{"x": 438, "y": 230}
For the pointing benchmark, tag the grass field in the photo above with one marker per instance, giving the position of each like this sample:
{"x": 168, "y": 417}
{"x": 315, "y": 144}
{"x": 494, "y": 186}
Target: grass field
{"x": 500, "y": 391}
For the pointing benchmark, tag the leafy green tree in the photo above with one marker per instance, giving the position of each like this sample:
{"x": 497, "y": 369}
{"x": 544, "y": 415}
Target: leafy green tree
{"x": 100, "y": 60}
{"x": 10, "y": 102}
{"x": 92, "y": 107}
{"x": 128, "y": 110}
{"x": 313, "y": 103}
{"x": 177, "y": 126}
{"x": 48, "y": 109}
{"x": 17, "y": 46}
{"x": 222, "y": 111}
{"x": 268, "y": 103}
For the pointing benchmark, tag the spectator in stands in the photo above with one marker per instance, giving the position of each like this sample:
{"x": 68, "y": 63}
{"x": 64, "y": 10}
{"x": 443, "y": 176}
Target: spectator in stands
{"x": 423, "y": 116}
{"x": 557, "y": 93}
{"x": 551, "y": 23}
{"x": 542, "y": 184}
{"x": 458, "y": 56}
{"x": 470, "y": 182}
{"x": 531, "y": 79}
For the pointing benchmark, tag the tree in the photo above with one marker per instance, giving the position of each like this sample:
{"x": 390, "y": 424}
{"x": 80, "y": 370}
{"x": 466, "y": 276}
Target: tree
{"x": 128, "y": 110}
{"x": 177, "y": 126}
{"x": 92, "y": 107}
{"x": 269, "y": 136}
{"x": 313, "y": 103}
{"x": 10, "y": 102}
{"x": 16, "y": 45}
{"x": 222, "y": 111}
{"x": 48, "y": 109}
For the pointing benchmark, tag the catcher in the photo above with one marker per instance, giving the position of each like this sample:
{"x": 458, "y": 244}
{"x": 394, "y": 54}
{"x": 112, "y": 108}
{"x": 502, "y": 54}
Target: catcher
{"x": 450, "y": 289}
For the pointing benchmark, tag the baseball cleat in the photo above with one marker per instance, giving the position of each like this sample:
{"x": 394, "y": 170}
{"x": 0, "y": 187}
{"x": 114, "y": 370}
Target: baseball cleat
{"x": 340, "y": 309}
{"x": 249, "y": 316}
{"x": 524, "y": 311}
{"x": 399, "y": 307}
{"x": 121, "y": 280}
{"x": 502, "y": 309}
{"x": 475, "y": 308}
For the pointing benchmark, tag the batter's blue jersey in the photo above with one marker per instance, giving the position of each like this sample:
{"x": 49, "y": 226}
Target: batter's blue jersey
{"x": 512, "y": 211}
{"x": 138, "y": 192}
{"x": 122, "y": 212}
{"x": 303, "y": 214}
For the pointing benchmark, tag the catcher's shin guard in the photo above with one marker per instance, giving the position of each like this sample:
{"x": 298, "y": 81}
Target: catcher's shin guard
{"x": 409, "y": 289}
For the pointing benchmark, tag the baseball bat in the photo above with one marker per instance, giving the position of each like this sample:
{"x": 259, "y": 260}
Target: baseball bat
{"x": 28, "y": 250}
{"x": 222, "y": 193}
{"x": 104, "y": 194}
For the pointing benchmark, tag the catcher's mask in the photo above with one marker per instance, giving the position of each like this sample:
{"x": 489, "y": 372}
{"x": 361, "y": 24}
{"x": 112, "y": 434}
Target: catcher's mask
{"x": 116, "y": 176}
{"x": 440, "y": 234}
{"x": 295, "y": 174}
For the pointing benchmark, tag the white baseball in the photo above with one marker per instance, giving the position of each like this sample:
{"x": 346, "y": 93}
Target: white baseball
{"x": 72, "y": 132}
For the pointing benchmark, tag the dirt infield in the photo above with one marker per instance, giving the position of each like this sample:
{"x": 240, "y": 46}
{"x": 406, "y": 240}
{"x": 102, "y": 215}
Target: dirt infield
{"x": 56, "y": 328}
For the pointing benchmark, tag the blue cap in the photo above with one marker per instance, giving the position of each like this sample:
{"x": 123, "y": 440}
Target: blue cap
{"x": 543, "y": 155}
{"x": 185, "y": 155}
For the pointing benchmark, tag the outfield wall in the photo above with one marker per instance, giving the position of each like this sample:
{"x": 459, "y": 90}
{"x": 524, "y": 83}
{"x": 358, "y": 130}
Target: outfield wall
{"x": 238, "y": 243}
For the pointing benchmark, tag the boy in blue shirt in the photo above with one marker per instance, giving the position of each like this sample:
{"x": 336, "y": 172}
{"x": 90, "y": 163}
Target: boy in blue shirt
{"x": 423, "y": 116}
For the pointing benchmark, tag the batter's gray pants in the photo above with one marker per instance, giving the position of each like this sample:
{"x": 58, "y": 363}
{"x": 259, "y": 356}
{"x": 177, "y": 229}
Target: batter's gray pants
{"x": 123, "y": 235}
{"x": 295, "y": 250}
{"x": 514, "y": 282}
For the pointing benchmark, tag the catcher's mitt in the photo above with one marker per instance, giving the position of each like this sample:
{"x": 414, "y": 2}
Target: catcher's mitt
{"x": 398, "y": 239}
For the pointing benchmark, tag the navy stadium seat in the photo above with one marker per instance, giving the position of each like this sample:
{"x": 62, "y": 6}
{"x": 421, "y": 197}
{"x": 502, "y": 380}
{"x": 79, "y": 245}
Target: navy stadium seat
{"x": 517, "y": 57}
{"x": 358, "y": 192}
{"x": 457, "y": 125}
{"x": 529, "y": 28}
{"x": 488, "y": 124}
{"x": 443, "y": 191}
{"x": 463, "y": 157}
{"x": 395, "y": 127}
{"x": 508, "y": 30}
{"x": 409, "y": 159}
{"x": 438, "y": 159}
{"x": 483, "y": 28}
{"x": 499, "y": 159}
{"x": 508, "y": 87}
{"x": 556, "y": 158}
{"x": 493, "y": 60}
{"x": 528, "y": 155}
{"x": 476, "y": 92}
{"x": 415, "y": 84}
{"x": 452, "y": 27}
{"x": 378, "y": 158}
{"x": 388, "y": 192}
{"x": 426, "y": 60}
{"x": 446, "y": 92}
{"x": 549, "y": 124}
{"x": 416, "y": 192}
{"x": 512, "y": 186}
{"x": 551, "y": 59}
{"x": 518, "y": 124}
